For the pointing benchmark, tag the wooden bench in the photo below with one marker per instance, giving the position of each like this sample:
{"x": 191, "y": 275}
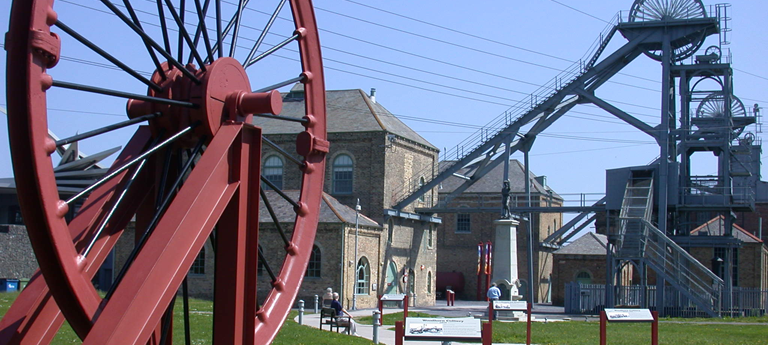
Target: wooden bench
{"x": 328, "y": 317}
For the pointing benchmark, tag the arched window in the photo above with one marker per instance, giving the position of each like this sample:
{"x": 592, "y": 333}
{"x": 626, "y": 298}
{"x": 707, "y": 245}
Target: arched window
{"x": 198, "y": 266}
{"x": 273, "y": 171}
{"x": 429, "y": 283}
{"x": 313, "y": 268}
{"x": 363, "y": 277}
{"x": 584, "y": 277}
{"x": 342, "y": 174}
{"x": 421, "y": 184}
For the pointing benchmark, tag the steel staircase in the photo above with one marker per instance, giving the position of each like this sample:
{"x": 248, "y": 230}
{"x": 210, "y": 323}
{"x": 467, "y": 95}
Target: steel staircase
{"x": 638, "y": 239}
{"x": 636, "y": 207}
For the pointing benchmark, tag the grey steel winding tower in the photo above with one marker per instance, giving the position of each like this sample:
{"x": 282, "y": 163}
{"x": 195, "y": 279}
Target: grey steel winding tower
{"x": 650, "y": 208}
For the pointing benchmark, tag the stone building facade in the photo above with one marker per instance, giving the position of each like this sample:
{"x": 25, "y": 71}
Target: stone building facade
{"x": 372, "y": 154}
{"x": 470, "y": 220}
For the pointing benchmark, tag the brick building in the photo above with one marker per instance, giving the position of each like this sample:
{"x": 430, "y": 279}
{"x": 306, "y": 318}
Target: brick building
{"x": 460, "y": 232}
{"x": 372, "y": 152}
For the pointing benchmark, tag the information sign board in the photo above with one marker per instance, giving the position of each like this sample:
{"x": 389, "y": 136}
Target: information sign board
{"x": 393, "y": 297}
{"x": 442, "y": 329}
{"x": 628, "y": 315}
{"x": 510, "y": 305}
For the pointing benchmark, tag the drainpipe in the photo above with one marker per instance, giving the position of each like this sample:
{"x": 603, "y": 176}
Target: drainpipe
{"x": 343, "y": 262}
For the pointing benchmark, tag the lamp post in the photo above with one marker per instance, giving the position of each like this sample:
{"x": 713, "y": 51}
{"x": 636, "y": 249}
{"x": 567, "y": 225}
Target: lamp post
{"x": 357, "y": 225}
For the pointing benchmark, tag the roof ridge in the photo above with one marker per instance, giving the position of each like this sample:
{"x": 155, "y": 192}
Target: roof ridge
{"x": 370, "y": 107}
{"x": 333, "y": 209}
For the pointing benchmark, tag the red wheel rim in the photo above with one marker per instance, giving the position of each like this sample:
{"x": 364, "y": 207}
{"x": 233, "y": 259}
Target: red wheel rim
{"x": 221, "y": 186}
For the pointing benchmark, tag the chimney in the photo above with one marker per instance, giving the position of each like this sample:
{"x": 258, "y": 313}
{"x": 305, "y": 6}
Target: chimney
{"x": 373, "y": 95}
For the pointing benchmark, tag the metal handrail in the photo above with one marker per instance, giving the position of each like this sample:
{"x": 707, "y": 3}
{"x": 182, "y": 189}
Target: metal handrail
{"x": 507, "y": 118}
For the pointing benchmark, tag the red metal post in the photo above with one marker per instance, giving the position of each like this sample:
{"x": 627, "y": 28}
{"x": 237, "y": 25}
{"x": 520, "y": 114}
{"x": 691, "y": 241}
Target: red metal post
{"x": 381, "y": 306}
{"x": 603, "y": 321}
{"x": 480, "y": 271}
{"x": 399, "y": 332}
{"x": 405, "y": 307}
{"x": 487, "y": 266}
{"x": 655, "y": 328}
{"x": 487, "y": 333}
{"x": 490, "y": 311}
{"x": 528, "y": 326}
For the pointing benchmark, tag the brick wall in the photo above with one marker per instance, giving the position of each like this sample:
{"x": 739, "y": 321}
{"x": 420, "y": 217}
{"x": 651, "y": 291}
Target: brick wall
{"x": 566, "y": 268}
{"x": 458, "y": 251}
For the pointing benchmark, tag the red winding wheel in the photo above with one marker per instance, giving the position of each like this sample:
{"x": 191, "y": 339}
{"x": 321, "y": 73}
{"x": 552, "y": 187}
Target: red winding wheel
{"x": 190, "y": 173}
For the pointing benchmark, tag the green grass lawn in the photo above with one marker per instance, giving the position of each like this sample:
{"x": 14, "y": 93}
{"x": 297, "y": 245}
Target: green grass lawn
{"x": 587, "y": 333}
{"x": 737, "y": 331}
{"x": 389, "y": 319}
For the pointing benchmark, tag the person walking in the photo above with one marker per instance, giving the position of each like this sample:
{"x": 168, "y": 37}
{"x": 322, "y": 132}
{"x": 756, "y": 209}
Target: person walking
{"x": 493, "y": 295}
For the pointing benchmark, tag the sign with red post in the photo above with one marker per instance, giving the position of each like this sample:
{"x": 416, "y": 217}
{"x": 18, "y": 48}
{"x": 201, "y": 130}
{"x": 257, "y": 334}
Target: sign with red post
{"x": 443, "y": 329}
{"x": 629, "y": 315}
{"x": 400, "y": 297}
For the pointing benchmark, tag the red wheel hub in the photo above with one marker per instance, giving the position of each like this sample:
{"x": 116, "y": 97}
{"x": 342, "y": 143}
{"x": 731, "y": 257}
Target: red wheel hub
{"x": 223, "y": 94}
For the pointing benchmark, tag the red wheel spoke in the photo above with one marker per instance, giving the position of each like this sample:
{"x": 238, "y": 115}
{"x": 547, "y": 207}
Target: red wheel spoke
{"x": 106, "y": 55}
{"x": 183, "y": 34}
{"x": 109, "y": 92}
{"x": 150, "y": 41}
{"x": 238, "y": 17}
{"x": 272, "y": 50}
{"x": 264, "y": 32}
{"x": 275, "y": 220}
{"x": 282, "y": 151}
{"x": 105, "y": 129}
{"x": 201, "y": 12}
{"x": 155, "y": 220}
{"x": 300, "y": 78}
{"x": 163, "y": 26}
{"x": 128, "y": 165}
{"x": 144, "y": 38}
{"x": 218, "y": 30}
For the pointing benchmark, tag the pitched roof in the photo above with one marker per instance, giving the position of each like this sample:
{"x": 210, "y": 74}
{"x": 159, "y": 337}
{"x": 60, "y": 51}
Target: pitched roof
{"x": 347, "y": 111}
{"x": 716, "y": 227}
{"x": 491, "y": 182}
{"x": 331, "y": 210}
{"x": 589, "y": 244}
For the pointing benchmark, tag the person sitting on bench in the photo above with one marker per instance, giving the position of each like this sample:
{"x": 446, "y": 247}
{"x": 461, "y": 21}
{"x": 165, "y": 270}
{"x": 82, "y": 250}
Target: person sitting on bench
{"x": 340, "y": 311}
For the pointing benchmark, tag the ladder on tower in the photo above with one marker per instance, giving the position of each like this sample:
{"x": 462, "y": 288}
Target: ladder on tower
{"x": 638, "y": 239}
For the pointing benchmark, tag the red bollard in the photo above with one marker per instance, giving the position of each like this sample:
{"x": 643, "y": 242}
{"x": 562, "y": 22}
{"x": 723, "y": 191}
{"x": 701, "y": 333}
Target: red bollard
{"x": 603, "y": 321}
{"x": 655, "y": 328}
{"x": 528, "y": 326}
{"x": 487, "y": 333}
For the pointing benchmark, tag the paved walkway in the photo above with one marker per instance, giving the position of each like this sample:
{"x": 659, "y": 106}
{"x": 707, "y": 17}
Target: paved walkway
{"x": 461, "y": 309}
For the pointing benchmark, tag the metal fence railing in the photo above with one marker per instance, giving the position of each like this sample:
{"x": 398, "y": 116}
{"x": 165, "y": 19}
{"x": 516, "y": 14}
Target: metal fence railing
{"x": 590, "y": 299}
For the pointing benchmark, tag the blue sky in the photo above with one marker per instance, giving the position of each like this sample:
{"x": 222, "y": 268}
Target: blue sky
{"x": 458, "y": 63}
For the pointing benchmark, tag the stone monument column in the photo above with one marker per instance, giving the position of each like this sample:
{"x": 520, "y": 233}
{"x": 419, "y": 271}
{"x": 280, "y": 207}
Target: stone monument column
{"x": 505, "y": 256}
